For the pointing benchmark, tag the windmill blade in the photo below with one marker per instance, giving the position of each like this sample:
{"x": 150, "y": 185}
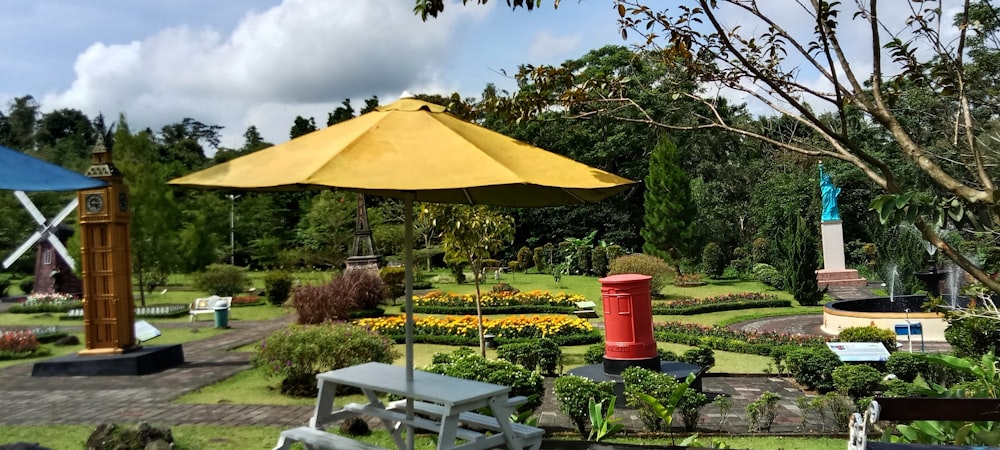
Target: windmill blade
{"x": 30, "y": 206}
{"x": 23, "y": 248}
{"x": 61, "y": 250}
{"x": 65, "y": 212}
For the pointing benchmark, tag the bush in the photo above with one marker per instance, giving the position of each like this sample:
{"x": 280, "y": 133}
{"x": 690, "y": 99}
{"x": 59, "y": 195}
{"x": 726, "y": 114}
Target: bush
{"x": 644, "y": 264}
{"x": 223, "y": 280}
{"x": 869, "y": 334}
{"x": 762, "y": 412}
{"x": 394, "y": 279}
{"x": 299, "y": 352}
{"x": 521, "y": 381}
{"x": 574, "y": 394}
{"x": 525, "y": 353}
{"x": 905, "y": 366}
{"x": 702, "y": 357}
{"x": 26, "y": 284}
{"x": 973, "y": 337}
{"x": 504, "y": 287}
{"x": 18, "y": 342}
{"x": 278, "y": 285}
{"x": 4, "y": 286}
{"x": 336, "y": 300}
{"x": 767, "y": 274}
{"x": 594, "y": 354}
{"x": 599, "y": 261}
{"x": 457, "y": 267}
{"x": 524, "y": 259}
{"x": 549, "y": 356}
{"x": 857, "y": 380}
{"x": 582, "y": 259}
{"x": 538, "y": 258}
{"x": 759, "y": 249}
{"x": 813, "y": 366}
{"x": 660, "y": 386}
{"x": 713, "y": 260}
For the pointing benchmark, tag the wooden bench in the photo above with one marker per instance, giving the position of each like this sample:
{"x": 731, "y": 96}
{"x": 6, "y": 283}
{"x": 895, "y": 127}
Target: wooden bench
{"x": 314, "y": 438}
{"x": 208, "y": 305}
{"x": 921, "y": 408}
{"x": 530, "y": 436}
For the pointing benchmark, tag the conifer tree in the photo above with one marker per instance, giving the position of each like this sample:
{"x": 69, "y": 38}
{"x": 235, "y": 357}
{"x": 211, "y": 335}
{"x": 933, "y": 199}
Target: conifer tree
{"x": 670, "y": 211}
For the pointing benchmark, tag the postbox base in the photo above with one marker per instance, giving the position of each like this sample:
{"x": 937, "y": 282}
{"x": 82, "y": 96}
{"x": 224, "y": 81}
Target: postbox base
{"x": 616, "y": 366}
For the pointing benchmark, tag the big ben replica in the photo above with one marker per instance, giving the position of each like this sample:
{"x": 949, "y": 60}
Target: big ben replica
{"x": 108, "y": 309}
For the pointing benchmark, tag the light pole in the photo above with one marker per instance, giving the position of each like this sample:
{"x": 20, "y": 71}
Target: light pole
{"x": 232, "y": 228}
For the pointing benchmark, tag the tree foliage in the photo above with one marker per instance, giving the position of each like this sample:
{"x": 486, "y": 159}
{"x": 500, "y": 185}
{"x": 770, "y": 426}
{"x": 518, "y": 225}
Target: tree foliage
{"x": 667, "y": 225}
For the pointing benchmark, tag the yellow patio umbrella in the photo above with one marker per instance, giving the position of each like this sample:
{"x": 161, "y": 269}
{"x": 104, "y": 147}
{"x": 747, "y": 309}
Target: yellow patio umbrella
{"x": 415, "y": 151}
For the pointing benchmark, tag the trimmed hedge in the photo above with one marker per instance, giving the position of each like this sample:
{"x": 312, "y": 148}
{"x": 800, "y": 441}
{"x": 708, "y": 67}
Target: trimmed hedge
{"x": 491, "y": 310}
{"x": 731, "y": 302}
{"x": 719, "y": 338}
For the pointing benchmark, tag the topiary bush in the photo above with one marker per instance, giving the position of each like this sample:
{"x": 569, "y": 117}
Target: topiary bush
{"x": 857, "y": 380}
{"x": 278, "y": 284}
{"x": 394, "y": 279}
{"x": 358, "y": 290}
{"x": 702, "y": 357}
{"x": 905, "y": 366}
{"x": 574, "y": 394}
{"x": 526, "y": 353}
{"x": 473, "y": 367}
{"x": 713, "y": 260}
{"x": 813, "y": 366}
{"x": 644, "y": 264}
{"x": 767, "y": 274}
{"x": 223, "y": 280}
{"x": 549, "y": 356}
{"x": 298, "y": 353}
{"x": 538, "y": 258}
{"x": 599, "y": 261}
{"x": 594, "y": 354}
{"x": 973, "y": 337}
{"x": 869, "y": 334}
{"x": 525, "y": 259}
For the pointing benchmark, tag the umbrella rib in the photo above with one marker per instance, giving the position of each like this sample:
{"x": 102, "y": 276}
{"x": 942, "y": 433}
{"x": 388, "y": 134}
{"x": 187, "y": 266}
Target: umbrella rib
{"x": 572, "y": 194}
{"x": 465, "y": 192}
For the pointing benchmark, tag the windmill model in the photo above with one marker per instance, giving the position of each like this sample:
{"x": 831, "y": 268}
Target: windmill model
{"x": 53, "y": 266}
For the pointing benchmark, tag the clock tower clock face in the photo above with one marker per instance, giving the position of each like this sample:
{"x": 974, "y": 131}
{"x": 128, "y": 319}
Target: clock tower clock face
{"x": 94, "y": 203}
{"x": 122, "y": 201}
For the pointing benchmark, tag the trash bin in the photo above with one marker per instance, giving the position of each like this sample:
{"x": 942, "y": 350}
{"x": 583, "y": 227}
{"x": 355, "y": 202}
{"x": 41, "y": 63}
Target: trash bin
{"x": 221, "y": 317}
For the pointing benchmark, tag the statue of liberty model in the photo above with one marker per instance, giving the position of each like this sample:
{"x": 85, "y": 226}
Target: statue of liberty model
{"x": 830, "y": 193}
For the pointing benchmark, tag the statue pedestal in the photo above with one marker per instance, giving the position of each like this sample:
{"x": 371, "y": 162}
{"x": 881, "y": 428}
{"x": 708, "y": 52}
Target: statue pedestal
{"x": 835, "y": 271}
{"x": 369, "y": 263}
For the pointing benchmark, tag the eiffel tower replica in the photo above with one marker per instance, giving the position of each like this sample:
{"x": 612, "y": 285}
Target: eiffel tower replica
{"x": 363, "y": 255}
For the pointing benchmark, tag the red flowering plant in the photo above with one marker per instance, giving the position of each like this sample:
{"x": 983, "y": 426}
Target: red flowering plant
{"x": 17, "y": 342}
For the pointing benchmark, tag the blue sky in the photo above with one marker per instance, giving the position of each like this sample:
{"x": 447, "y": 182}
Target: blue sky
{"x": 262, "y": 62}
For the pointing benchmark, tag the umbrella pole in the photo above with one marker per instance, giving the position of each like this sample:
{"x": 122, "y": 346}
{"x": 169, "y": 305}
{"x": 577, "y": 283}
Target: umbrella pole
{"x": 408, "y": 302}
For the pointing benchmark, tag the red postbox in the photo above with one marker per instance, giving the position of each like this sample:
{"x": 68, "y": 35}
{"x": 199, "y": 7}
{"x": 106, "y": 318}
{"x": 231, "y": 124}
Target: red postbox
{"x": 628, "y": 323}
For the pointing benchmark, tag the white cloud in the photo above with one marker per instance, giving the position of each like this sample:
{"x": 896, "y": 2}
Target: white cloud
{"x": 302, "y": 57}
{"x": 546, "y": 45}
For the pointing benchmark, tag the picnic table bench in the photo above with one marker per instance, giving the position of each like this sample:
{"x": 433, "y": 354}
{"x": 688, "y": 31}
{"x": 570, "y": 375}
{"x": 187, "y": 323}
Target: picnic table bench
{"x": 208, "y": 305}
{"x": 904, "y": 409}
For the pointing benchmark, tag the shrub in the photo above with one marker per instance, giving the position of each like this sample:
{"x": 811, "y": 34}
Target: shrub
{"x": 524, "y": 259}
{"x": 869, "y": 334}
{"x": 727, "y": 302}
{"x": 4, "y": 286}
{"x": 582, "y": 259}
{"x": 336, "y": 300}
{"x": 643, "y": 264}
{"x": 857, "y": 380}
{"x": 599, "y": 261}
{"x": 758, "y": 250}
{"x": 504, "y": 287}
{"x": 525, "y": 353}
{"x": 574, "y": 394}
{"x": 666, "y": 355}
{"x": 549, "y": 356}
{"x": 973, "y": 337}
{"x": 26, "y": 284}
{"x": 223, "y": 280}
{"x": 813, "y": 366}
{"x": 615, "y": 251}
{"x": 702, "y": 357}
{"x": 905, "y": 366}
{"x": 660, "y": 386}
{"x": 594, "y": 354}
{"x": 394, "y": 279}
{"x": 521, "y": 381}
{"x": 801, "y": 262}
{"x": 713, "y": 260}
{"x": 690, "y": 406}
{"x": 457, "y": 264}
{"x": 278, "y": 285}
{"x": 18, "y": 342}
{"x": 538, "y": 258}
{"x": 767, "y": 274}
{"x": 298, "y": 353}
{"x": 762, "y": 412}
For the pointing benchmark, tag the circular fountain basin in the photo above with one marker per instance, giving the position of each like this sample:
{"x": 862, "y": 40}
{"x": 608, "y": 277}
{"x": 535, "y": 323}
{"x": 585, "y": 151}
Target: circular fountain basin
{"x": 883, "y": 312}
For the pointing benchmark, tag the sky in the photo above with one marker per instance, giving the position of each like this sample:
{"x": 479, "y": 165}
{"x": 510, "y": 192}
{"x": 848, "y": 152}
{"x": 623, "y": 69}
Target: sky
{"x": 238, "y": 63}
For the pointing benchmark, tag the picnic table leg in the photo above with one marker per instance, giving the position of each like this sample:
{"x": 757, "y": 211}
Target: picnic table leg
{"x": 324, "y": 404}
{"x": 449, "y": 428}
{"x": 395, "y": 428}
{"x": 502, "y": 413}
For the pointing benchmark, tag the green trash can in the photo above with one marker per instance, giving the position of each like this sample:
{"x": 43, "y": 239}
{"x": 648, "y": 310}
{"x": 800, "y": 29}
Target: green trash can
{"x": 221, "y": 317}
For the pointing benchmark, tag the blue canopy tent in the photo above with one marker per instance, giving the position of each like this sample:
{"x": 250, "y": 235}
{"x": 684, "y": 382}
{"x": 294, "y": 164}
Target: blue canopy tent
{"x": 21, "y": 172}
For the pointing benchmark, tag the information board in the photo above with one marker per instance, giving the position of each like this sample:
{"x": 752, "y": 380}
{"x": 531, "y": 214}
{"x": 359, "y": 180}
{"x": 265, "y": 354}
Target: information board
{"x": 859, "y": 351}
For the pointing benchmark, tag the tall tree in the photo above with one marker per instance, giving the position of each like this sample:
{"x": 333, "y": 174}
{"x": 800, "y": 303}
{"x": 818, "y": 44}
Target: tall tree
{"x": 302, "y": 126}
{"x": 475, "y": 233}
{"x": 18, "y": 132}
{"x": 342, "y": 113}
{"x": 670, "y": 213}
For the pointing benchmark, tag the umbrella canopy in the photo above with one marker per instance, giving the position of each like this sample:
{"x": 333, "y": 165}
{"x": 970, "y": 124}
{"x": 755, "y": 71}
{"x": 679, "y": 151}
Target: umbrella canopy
{"x": 416, "y": 151}
{"x": 414, "y": 148}
{"x": 21, "y": 172}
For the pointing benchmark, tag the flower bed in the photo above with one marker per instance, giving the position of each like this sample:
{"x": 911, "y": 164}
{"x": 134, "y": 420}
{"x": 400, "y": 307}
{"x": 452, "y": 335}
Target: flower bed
{"x": 19, "y": 345}
{"x": 689, "y": 280}
{"x": 502, "y": 302}
{"x": 720, "y": 338}
{"x": 728, "y": 302}
{"x": 42, "y": 303}
{"x": 453, "y": 330}
{"x": 247, "y": 300}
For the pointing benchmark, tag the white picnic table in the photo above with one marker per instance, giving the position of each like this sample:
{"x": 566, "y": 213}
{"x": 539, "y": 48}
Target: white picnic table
{"x": 446, "y": 404}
